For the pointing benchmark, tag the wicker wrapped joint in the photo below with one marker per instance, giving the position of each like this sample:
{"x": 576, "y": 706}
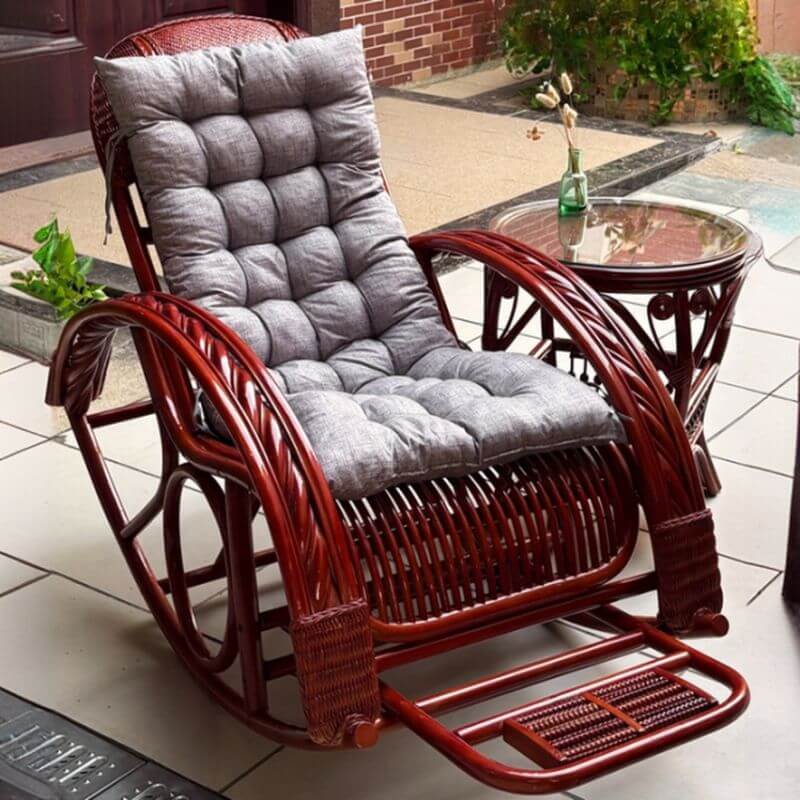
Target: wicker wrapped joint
{"x": 517, "y": 514}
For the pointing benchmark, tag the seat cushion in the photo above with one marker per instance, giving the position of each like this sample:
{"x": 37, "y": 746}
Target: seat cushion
{"x": 259, "y": 168}
{"x": 454, "y": 412}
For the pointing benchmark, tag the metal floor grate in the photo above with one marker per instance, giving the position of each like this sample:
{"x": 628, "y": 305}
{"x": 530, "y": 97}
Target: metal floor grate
{"x": 45, "y": 757}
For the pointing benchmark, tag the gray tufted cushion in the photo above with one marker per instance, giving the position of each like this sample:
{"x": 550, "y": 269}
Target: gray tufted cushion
{"x": 259, "y": 167}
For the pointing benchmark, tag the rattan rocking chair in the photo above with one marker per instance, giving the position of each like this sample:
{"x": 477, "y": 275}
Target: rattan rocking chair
{"x": 417, "y": 568}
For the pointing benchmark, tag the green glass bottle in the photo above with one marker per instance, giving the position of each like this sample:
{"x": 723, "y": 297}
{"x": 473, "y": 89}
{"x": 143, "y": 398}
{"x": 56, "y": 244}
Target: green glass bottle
{"x": 573, "y": 196}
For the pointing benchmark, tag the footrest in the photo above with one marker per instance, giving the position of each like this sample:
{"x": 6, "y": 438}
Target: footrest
{"x": 612, "y": 713}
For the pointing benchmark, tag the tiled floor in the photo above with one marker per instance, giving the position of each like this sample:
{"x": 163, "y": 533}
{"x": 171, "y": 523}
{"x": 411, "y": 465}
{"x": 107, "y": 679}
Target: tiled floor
{"x": 75, "y": 638}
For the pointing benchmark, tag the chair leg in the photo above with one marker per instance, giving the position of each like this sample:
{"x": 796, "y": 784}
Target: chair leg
{"x": 244, "y": 594}
{"x": 705, "y": 467}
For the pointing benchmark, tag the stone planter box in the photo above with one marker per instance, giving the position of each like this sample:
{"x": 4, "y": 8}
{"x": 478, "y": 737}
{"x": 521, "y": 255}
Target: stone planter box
{"x": 701, "y": 102}
{"x": 27, "y": 326}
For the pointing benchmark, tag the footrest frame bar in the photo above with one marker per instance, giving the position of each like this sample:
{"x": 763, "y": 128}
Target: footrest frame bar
{"x": 459, "y": 745}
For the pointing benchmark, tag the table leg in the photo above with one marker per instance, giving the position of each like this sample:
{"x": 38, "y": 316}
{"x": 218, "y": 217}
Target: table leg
{"x": 709, "y": 477}
{"x": 791, "y": 579}
{"x": 690, "y": 370}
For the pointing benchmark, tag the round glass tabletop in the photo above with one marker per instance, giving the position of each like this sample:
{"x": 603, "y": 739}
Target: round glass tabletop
{"x": 625, "y": 233}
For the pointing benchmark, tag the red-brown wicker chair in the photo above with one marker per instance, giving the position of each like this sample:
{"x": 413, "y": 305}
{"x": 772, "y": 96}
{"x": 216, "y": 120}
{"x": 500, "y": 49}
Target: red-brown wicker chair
{"x": 508, "y": 547}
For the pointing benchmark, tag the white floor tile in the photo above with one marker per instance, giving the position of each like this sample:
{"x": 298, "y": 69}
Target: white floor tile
{"x": 468, "y": 331}
{"x": 10, "y": 360}
{"x": 751, "y": 514}
{"x": 22, "y": 401}
{"x": 22, "y": 392}
{"x": 135, "y": 443}
{"x": 774, "y": 238}
{"x": 726, "y": 404}
{"x": 758, "y": 360}
{"x": 789, "y": 390}
{"x": 13, "y": 574}
{"x": 403, "y": 766}
{"x": 764, "y": 437}
{"x": 752, "y": 757}
{"x": 107, "y": 666}
{"x": 463, "y": 293}
{"x": 13, "y": 439}
{"x": 769, "y": 301}
{"x": 64, "y": 530}
{"x": 739, "y": 581}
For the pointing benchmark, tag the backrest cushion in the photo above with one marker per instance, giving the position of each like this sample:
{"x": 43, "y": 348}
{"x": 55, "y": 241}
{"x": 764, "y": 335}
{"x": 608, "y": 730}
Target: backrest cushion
{"x": 259, "y": 167}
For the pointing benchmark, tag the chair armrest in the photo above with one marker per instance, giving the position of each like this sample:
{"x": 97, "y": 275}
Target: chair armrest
{"x": 280, "y": 465}
{"x": 182, "y": 347}
{"x": 636, "y": 391}
{"x": 668, "y": 482}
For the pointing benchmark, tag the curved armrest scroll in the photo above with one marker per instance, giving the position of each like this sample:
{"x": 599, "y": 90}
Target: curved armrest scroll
{"x": 283, "y": 470}
{"x": 671, "y": 494}
{"x": 652, "y": 422}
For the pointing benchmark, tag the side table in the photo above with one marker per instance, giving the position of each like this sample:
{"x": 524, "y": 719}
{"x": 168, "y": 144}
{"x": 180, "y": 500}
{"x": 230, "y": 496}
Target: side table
{"x": 690, "y": 264}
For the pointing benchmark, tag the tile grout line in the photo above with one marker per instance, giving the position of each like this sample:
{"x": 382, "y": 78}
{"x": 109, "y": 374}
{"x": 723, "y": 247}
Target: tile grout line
{"x": 769, "y": 395}
{"x": 752, "y": 466}
{"x": 748, "y": 563}
{"x": 16, "y": 366}
{"x": 27, "y": 430}
{"x": 764, "y": 588}
{"x": 30, "y": 446}
{"x": 25, "y": 584}
{"x": 748, "y": 388}
{"x": 766, "y": 332}
{"x": 279, "y": 749}
{"x": 56, "y": 573}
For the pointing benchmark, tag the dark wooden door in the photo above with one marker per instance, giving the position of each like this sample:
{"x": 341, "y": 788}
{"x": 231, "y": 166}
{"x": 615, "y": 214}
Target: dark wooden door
{"x": 47, "y": 46}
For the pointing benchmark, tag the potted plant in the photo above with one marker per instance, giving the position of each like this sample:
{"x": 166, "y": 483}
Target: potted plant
{"x": 652, "y": 60}
{"x": 41, "y": 292}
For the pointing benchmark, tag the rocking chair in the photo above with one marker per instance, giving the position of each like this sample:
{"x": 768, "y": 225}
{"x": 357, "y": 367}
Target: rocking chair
{"x": 419, "y": 496}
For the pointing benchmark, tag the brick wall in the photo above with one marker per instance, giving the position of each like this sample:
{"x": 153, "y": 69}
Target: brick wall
{"x": 410, "y": 40}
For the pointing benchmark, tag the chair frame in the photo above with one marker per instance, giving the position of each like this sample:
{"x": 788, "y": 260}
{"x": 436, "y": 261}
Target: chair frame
{"x": 346, "y": 629}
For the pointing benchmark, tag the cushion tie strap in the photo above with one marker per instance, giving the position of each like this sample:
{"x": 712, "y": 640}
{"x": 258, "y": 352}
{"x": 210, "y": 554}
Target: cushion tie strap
{"x": 110, "y": 152}
{"x": 110, "y": 157}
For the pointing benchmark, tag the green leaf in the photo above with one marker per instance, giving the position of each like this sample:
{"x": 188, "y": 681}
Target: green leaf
{"x": 65, "y": 250}
{"x": 45, "y": 232}
{"x": 84, "y": 264}
{"x": 62, "y": 280}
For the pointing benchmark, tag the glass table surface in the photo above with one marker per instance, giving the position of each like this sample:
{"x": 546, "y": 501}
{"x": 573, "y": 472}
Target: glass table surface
{"x": 623, "y": 232}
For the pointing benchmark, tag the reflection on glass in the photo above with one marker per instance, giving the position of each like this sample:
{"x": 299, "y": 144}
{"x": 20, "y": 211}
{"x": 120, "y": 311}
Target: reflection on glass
{"x": 625, "y": 233}
{"x": 571, "y": 232}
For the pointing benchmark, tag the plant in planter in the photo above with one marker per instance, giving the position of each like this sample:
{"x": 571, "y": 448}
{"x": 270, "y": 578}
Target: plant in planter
{"x": 35, "y": 303}
{"x": 668, "y": 46}
{"x": 61, "y": 278}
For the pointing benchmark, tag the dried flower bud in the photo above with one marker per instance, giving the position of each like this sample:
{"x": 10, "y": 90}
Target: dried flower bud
{"x": 534, "y": 134}
{"x": 570, "y": 116}
{"x": 553, "y": 92}
{"x": 545, "y": 100}
{"x": 566, "y": 83}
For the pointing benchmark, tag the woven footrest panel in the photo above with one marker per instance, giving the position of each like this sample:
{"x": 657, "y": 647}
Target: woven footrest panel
{"x": 616, "y": 712}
